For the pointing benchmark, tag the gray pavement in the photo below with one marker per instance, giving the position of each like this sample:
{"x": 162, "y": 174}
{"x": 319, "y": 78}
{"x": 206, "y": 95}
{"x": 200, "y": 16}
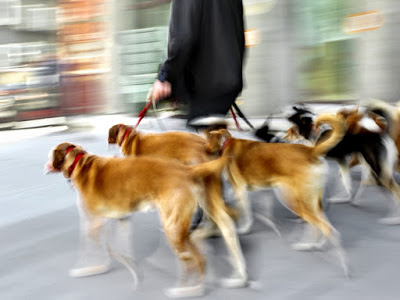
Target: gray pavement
{"x": 39, "y": 235}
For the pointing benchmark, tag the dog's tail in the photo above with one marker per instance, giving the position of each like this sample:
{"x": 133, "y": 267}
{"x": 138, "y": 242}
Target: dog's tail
{"x": 386, "y": 110}
{"x": 338, "y": 131}
{"x": 211, "y": 174}
{"x": 214, "y": 167}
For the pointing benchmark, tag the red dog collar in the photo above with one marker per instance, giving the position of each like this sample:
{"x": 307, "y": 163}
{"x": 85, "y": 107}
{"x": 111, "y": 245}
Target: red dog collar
{"x": 76, "y": 160}
{"x": 126, "y": 133}
{"x": 227, "y": 142}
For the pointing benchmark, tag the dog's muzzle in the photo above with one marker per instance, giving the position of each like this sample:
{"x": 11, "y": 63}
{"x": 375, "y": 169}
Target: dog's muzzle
{"x": 48, "y": 168}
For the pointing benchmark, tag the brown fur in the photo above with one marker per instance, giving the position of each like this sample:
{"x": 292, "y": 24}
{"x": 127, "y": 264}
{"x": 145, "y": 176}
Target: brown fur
{"x": 117, "y": 187}
{"x": 186, "y": 147}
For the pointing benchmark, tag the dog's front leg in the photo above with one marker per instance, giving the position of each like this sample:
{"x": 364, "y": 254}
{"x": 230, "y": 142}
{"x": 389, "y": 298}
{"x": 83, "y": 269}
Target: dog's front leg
{"x": 246, "y": 217}
{"x": 92, "y": 259}
{"x": 119, "y": 246}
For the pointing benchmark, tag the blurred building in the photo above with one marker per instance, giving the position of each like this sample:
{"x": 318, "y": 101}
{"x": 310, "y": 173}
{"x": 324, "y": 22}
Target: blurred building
{"x": 28, "y": 65}
{"x": 301, "y": 50}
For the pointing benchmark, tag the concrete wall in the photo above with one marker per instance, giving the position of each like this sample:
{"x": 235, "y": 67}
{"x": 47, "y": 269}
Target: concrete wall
{"x": 378, "y": 59}
{"x": 270, "y": 69}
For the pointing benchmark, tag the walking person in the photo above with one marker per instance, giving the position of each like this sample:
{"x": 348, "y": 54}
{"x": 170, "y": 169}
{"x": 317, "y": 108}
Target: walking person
{"x": 205, "y": 56}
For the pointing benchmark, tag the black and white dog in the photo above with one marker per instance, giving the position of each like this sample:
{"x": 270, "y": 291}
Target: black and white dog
{"x": 368, "y": 138}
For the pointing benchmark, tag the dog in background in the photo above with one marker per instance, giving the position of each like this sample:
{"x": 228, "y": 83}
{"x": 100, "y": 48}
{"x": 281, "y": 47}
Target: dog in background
{"x": 391, "y": 114}
{"x": 368, "y": 140}
{"x": 114, "y": 188}
{"x": 297, "y": 170}
{"x": 295, "y": 134}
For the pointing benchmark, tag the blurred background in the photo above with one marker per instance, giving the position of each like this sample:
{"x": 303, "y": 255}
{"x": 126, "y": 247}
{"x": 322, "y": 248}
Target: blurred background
{"x": 65, "y": 58}
{"x": 67, "y": 62}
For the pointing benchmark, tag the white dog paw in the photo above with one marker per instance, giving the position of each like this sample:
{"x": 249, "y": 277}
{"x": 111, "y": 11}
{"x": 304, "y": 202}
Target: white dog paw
{"x": 89, "y": 270}
{"x": 243, "y": 229}
{"x": 305, "y": 246}
{"x": 233, "y": 282}
{"x": 184, "y": 292}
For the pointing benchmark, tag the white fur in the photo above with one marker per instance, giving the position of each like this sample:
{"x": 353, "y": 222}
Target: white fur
{"x": 369, "y": 124}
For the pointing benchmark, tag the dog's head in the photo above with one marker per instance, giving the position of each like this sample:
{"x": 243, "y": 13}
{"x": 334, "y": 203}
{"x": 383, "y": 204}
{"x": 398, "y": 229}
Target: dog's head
{"x": 61, "y": 158}
{"x": 215, "y": 140}
{"x": 116, "y": 133}
{"x": 113, "y": 133}
{"x": 304, "y": 120}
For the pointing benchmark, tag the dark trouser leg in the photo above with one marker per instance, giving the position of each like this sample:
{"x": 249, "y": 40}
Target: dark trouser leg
{"x": 212, "y": 105}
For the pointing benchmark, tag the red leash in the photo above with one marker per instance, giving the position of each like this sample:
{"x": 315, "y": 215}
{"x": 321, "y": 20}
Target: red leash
{"x": 143, "y": 113}
{"x": 236, "y": 121}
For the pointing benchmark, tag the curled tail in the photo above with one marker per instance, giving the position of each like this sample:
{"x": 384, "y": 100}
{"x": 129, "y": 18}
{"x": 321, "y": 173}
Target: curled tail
{"x": 338, "y": 131}
{"x": 388, "y": 111}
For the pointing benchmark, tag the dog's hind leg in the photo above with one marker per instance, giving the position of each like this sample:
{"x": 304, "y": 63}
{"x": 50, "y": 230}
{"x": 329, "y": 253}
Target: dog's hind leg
{"x": 217, "y": 211}
{"x": 176, "y": 221}
{"x": 322, "y": 223}
{"x": 393, "y": 217}
{"x": 346, "y": 179}
{"x": 93, "y": 258}
{"x": 389, "y": 163}
{"x": 192, "y": 262}
{"x": 311, "y": 211}
{"x": 366, "y": 175}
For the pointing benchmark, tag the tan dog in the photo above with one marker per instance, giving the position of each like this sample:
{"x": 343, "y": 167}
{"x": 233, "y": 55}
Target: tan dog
{"x": 114, "y": 188}
{"x": 186, "y": 147}
{"x": 297, "y": 170}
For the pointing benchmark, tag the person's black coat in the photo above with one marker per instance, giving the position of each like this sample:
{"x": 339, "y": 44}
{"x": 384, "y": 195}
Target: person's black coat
{"x": 205, "y": 48}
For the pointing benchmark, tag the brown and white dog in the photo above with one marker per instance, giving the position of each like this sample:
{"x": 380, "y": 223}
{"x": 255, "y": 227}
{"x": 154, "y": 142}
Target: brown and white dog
{"x": 297, "y": 170}
{"x": 114, "y": 188}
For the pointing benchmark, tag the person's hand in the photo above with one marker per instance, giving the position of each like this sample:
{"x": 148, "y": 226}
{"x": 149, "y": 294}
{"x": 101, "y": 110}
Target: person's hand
{"x": 161, "y": 90}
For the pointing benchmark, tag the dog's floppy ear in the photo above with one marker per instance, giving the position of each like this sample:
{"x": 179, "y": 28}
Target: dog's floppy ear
{"x": 214, "y": 139}
{"x": 113, "y": 133}
{"x": 221, "y": 132}
{"x": 225, "y": 133}
{"x": 59, "y": 155}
